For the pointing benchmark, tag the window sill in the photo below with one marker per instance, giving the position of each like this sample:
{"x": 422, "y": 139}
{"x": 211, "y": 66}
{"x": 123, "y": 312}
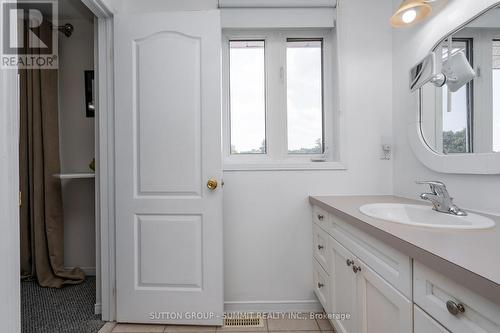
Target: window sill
{"x": 283, "y": 166}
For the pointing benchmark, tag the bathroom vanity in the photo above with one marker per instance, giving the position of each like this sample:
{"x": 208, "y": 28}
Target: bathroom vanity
{"x": 394, "y": 277}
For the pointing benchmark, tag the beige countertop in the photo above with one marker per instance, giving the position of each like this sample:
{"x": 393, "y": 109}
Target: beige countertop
{"x": 471, "y": 257}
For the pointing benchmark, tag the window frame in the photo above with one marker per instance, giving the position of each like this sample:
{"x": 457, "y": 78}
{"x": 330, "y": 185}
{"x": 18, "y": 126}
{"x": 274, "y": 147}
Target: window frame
{"x": 469, "y": 53}
{"x": 277, "y": 156}
{"x": 470, "y": 98}
{"x": 495, "y": 38}
{"x": 482, "y": 132}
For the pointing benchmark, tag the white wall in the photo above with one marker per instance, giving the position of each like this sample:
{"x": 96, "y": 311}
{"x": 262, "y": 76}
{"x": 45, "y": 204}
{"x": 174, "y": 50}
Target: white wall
{"x": 409, "y": 46}
{"x": 76, "y": 54}
{"x": 267, "y": 217}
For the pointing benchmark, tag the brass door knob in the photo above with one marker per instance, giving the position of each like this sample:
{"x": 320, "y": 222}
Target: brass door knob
{"x": 212, "y": 184}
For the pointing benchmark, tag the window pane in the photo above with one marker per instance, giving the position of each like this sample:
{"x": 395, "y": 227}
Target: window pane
{"x": 496, "y": 95}
{"x": 455, "y": 122}
{"x": 304, "y": 96}
{"x": 456, "y": 119}
{"x": 248, "y": 101}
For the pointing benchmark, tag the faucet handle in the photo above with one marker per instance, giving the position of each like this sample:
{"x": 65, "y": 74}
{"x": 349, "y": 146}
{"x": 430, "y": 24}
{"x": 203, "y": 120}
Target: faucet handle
{"x": 430, "y": 182}
{"x": 437, "y": 187}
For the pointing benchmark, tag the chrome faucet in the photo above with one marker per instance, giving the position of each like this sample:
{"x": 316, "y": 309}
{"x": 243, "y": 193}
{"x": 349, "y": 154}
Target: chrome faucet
{"x": 440, "y": 198}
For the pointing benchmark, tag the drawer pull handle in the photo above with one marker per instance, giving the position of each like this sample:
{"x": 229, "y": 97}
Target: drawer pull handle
{"x": 320, "y": 217}
{"x": 455, "y": 308}
{"x": 320, "y": 247}
{"x": 320, "y": 285}
{"x": 349, "y": 262}
{"x": 356, "y": 269}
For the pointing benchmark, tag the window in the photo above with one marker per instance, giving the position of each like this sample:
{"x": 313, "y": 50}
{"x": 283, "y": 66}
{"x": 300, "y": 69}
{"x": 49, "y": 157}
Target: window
{"x": 457, "y": 118}
{"x": 247, "y": 97}
{"x": 276, "y": 109}
{"x": 304, "y": 96}
{"x": 468, "y": 120}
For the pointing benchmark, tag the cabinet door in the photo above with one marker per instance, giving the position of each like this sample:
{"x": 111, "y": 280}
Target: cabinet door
{"x": 343, "y": 289}
{"x": 381, "y": 307}
{"x": 423, "y": 323}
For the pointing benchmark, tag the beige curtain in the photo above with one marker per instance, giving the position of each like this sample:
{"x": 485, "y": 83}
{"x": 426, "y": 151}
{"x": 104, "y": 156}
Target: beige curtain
{"x": 41, "y": 219}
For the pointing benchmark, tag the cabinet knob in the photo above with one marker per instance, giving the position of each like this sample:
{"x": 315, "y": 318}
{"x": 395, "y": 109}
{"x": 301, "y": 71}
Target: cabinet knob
{"x": 455, "y": 308}
{"x": 320, "y": 285}
{"x": 320, "y": 247}
{"x": 320, "y": 217}
{"x": 349, "y": 262}
{"x": 356, "y": 269}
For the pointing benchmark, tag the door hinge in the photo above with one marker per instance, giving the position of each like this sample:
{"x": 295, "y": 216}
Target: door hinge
{"x": 20, "y": 199}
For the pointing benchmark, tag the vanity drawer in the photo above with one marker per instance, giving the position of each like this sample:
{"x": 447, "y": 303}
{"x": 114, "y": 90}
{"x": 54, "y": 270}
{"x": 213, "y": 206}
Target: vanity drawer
{"x": 392, "y": 265}
{"x": 321, "y": 218}
{"x": 321, "y": 250}
{"x": 432, "y": 292}
{"x": 422, "y": 323}
{"x": 321, "y": 285}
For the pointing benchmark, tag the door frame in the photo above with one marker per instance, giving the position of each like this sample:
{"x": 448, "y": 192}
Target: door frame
{"x": 10, "y": 288}
{"x": 105, "y": 175}
{"x": 10, "y": 308}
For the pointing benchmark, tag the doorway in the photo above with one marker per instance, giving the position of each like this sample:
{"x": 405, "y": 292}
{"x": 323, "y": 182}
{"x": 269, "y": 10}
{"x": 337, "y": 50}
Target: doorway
{"x": 58, "y": 181}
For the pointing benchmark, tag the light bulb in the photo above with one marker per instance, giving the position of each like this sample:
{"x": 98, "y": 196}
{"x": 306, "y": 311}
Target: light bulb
{"x": 409, "y": 16}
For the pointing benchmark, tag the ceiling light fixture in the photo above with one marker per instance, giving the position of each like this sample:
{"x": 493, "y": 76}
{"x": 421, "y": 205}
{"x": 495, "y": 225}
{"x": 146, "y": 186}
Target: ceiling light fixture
{"x": 410, "y": 12}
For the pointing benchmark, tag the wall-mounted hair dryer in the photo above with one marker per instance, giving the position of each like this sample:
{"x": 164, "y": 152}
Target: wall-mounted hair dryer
{"x": 456, "y": 72}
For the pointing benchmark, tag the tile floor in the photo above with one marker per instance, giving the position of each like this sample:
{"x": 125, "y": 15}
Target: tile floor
{"x": 270, "y": 326}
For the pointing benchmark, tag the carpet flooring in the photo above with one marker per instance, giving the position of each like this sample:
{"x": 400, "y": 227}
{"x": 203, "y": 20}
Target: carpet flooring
{"x": 66, "y": 310}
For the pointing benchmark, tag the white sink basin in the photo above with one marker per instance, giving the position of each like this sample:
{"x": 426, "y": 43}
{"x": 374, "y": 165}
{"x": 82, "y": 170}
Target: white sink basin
{"x": 425, "y": 216}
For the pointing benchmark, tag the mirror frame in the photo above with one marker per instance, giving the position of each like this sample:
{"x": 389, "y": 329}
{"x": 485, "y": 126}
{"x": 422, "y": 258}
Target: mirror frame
{"x": 475, "y": 163}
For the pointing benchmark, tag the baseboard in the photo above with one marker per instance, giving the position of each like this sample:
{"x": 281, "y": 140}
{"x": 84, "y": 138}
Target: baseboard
{"x": 97, "y": 308}
{"x": 273, "y": 306}
{"x": 89, "y": 271}
{"x": 108, "y": 327}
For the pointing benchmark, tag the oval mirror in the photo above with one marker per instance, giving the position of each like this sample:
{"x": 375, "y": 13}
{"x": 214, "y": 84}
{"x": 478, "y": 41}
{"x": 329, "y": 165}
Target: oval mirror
{"x": 462, "y": 114}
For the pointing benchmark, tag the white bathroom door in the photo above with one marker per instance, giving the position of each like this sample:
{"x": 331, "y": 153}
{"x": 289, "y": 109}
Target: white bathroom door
{"x": 168, "y": 146}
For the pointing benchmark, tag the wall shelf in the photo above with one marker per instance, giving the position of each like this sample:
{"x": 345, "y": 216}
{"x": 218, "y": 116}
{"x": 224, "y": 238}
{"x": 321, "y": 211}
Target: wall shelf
{"x": 75, "y": 175}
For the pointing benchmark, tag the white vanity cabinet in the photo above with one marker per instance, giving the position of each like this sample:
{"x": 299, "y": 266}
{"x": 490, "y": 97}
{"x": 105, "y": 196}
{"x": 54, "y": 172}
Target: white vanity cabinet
{"x": 386, "y": 291}
{"x": 356, "y": 290}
